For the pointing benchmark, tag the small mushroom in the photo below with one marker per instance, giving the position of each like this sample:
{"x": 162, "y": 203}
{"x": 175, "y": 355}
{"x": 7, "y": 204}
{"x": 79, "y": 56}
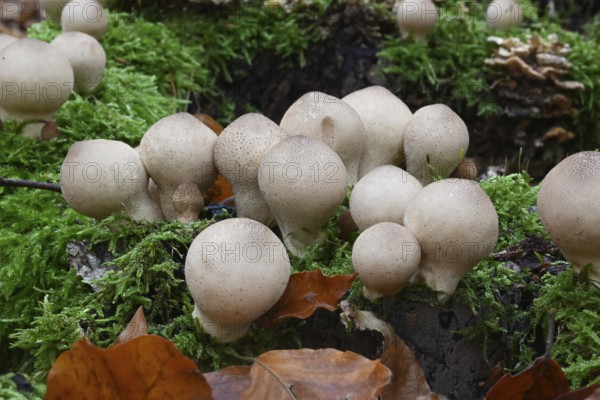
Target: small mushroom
{"x": 87, "y": 58}
{"x": 87, "y": 16}
{"x": 569, "y": 207}
{"x": 304, "y": 182}
{"x": 456, "y": 225}
{"x": 236, "y": 270}
{"x": 178, "y": 149}
{"x": 238, "y": 152}
{"x": 503, "y": 14}
{"x": 416, "y": 18}
{"x": 382, "y": 195}
{"x": 326, "y": 118}
{"x": 99, "y": 177}
{"x": 435, "y": 140}
{"x": 385, "y": 256}
{"x": 187, "y": 202}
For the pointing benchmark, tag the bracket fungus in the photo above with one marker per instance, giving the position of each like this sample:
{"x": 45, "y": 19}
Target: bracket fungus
{"x": 385, "y": 257}
{"x": 87, "y": 16}
{"x": 384, "y": 117}
{"x": 99, "y": 177}
{"x": 569, "y": 207}
{"x": 87, "y": 58}
{"x": 416, "y": 18}
{"x": 382, "y": 195}
{"x": 304, "y": 182}
{"x": 238, "y": 152}
{"x": 503, "y": 14}
{"x": 326, "y": 118}
{"x": 177, "y": 149}
{"x": 236, "y": 270}
{"x": 434, "y": 141}
{"x": 456, "y": 225}
{"x": 36, "y": 81}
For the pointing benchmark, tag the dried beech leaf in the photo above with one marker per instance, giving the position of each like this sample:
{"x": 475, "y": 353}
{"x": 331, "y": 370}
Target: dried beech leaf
{"x": 148, "y": 367}
{"x": 588, "y": 393}
{"x": 315, "y": 374}
{"x": 210, "y": 122}
{"x": 542, "y": 380}
{"x": 305, "y": 292}
{"x": 228, "y": 383}
{"x": 135, "y": 328}
{"x": 408, "y": 379}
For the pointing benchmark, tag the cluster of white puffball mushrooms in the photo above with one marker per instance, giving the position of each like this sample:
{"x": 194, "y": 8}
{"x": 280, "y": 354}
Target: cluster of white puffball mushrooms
{"x": 37, "y": 78}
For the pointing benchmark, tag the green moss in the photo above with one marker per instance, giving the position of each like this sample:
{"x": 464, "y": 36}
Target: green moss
{"x": 10, "y": 390}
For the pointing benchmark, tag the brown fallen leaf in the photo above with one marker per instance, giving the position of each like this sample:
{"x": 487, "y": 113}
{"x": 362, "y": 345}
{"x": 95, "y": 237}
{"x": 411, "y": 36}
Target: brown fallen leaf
{"x": 148, "y": 367}
{"x": 315, "y": 374}
{"x": 305, "y": 292}
{"x": 588, "y": 393}
{"x": 135, "y": 328}
{"x": 544, "y": 379}
{"x": 408, "y": 380}
{"x": 228, "y": 383}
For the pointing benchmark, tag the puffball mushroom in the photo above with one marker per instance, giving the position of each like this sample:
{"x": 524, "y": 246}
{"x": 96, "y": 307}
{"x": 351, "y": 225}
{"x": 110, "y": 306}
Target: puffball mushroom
{"x": 99, "y": 177}
{"x": 457, "y": 226}
{"x": 87, "y": 16}
{"x": 5, "y": 40}
{"x": 384, "y": 117}
{"x": 382, "y": 195}
{"x": 87, "y": 58}
{"x": 303, "y": 181}
{"x": 238, "y": 152}
{"x": 434, "y": 141}
{"x": 176, "y": 149}
{"x": 236, "y": 270}
{"x": 503, "y": 14}
{"x": 326, "y": 118}
{"x": 416, "y": 18}
{"x": 385, "y": 256}
{"x": 187, "y": 202}
{"x": 36, "y": 81}
{"x": 569, "y": 207}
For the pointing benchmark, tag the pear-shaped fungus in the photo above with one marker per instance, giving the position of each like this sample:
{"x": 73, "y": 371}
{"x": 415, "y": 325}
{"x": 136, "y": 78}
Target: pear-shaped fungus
{"x": 304, "y": 182}
{"x": 456, "y": 225}
{"x": 435, "y": 140}
{"x": 503, "y": 14}
{"x": 384, "y": 117}
{"x": 569, "y": 207}
{"x": 87, "y": 58}
{"x": 385, "y": 256}
{"x": 87, "y": 16}
{"x": 382, "y": 195}
{"x": 236, "y": 270}
{"x": 36, "y": 80}
{"x": 326, "y": 118}
{"x": 99, "y": 177}
{"x": 238, "y": 152}
{"x": 416, "y": 18}
{"x": 177, "y": 149}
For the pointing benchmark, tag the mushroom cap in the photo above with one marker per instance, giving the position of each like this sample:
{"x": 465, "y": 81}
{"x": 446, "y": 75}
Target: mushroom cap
{"x": 416, "y": 17}
{"x": 87, "y": 58}
{"x": 326, "y": 118}
{"x": 569, "y": 207}
{"x": 238, "y": 152}
{"x": 435, "y": 137}
{"x": 503, "y": 14}
{"x": 456, "y": 225}
{"x": 87, "y": 16}
{"x": 383, "y": 195}
{"x": 37, "y": 79}
{"x": 384, "y": 117}
{"x": 236, "y": 270}
{"x": 99, "y": 176}
{"x": 5, "y": 40}
{"x": 385, "y": 256}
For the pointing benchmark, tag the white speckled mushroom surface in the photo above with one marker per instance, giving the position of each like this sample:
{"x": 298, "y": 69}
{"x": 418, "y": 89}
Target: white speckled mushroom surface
{"x": 569, "y": 208}
{"x": 326, "y": 118}
{"x": 236, "y": 270}
{"x": 87, "y": 16}
{"x": 238, "y": 152}
{"x": 456, "y": 225}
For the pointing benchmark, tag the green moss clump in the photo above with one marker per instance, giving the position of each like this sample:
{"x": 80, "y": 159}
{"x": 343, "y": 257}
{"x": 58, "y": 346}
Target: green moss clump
{"x": 10, "y": 390}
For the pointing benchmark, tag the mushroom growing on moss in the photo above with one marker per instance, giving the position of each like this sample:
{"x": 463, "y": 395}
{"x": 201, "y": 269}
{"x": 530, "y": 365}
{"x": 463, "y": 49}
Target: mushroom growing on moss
{"x": 416, "y": 18}
{"x": 87, "y": 16}
{"x": 503, "y": 14}
{"x": 236, "y": 270}
{"x": 456, "y": 225}
{"x": 569, "y": 208}
{"x": 435, "y": 140}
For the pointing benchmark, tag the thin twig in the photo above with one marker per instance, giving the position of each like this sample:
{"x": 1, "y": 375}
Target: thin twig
{"x": 550, "y": 337}
{"x": 7, "y": 182}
